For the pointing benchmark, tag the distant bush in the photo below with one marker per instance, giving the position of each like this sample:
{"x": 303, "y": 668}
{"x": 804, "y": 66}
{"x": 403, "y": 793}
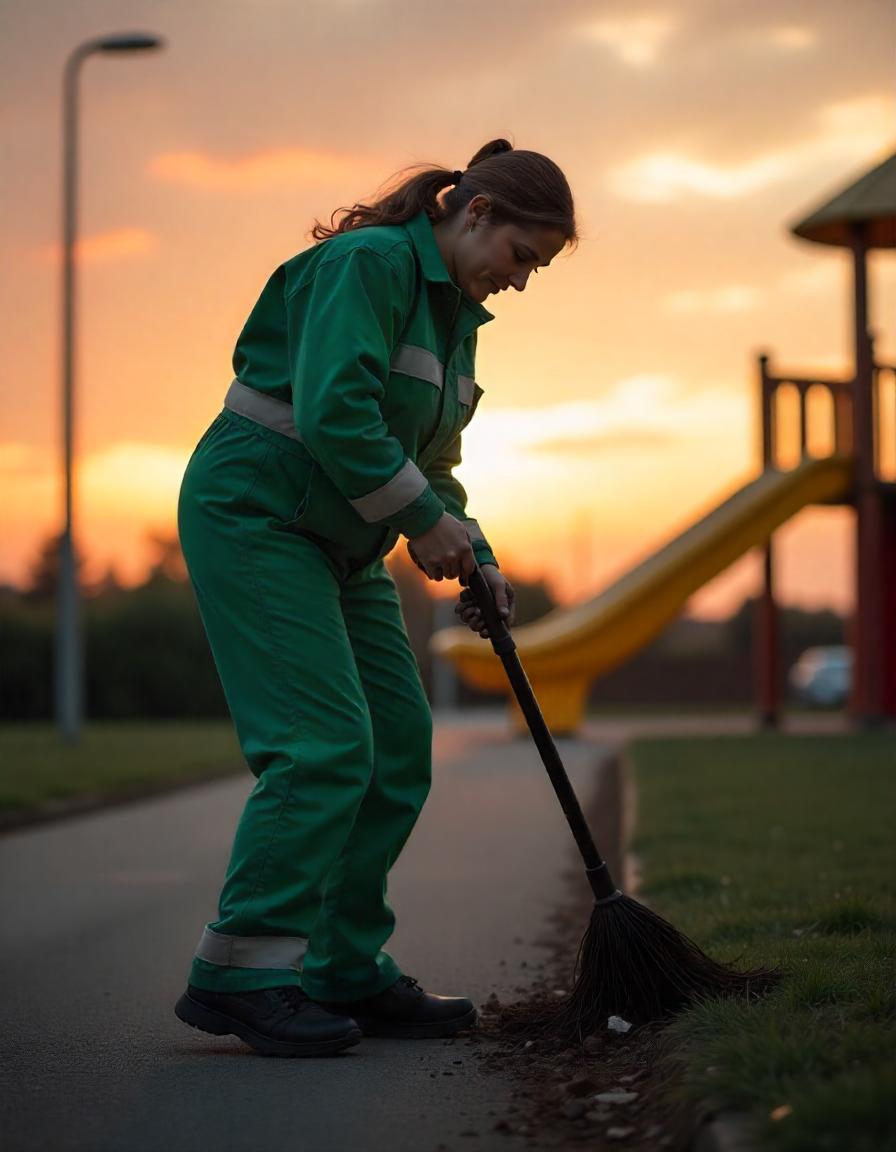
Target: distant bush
{"x": 145, "y": 655}
{"x": 26, "y": 659}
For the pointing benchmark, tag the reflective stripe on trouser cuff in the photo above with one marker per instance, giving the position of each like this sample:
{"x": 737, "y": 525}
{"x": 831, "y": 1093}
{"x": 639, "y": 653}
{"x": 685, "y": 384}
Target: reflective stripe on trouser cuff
{"x": 403, "y": 489}
{"x": 263, "y": 409}
{"x": 252, "y": 951}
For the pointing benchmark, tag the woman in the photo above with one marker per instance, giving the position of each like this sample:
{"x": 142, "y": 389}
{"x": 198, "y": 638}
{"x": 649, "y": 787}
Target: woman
{"x": 354, "y": 379}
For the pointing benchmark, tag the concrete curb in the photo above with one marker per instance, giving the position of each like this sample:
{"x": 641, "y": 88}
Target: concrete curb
{"x": 722, "y": 1130}
{"x": 717, "y": 1129}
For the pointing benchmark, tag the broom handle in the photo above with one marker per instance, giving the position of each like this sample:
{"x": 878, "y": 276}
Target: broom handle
{"x": 504, "y": 646}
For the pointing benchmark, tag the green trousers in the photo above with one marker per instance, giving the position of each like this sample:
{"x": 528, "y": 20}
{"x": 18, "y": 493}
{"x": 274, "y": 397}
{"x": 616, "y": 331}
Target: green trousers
{"x": 332, "y": 719}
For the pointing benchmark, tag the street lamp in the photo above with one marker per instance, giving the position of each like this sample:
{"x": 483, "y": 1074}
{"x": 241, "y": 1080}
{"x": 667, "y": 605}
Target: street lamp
{"x": 69, "y": 662}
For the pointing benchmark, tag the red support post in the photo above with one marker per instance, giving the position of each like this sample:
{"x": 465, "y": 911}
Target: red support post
{"x": 888, "y": 623}
{"x": 867, "y": 702}
{"x": 767, "y": 648}
{"x": 765, "y": 621}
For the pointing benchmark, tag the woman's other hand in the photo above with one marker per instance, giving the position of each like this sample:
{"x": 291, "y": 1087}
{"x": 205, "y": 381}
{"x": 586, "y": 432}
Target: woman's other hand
{"x": 505, "y": 601}
{"x": 445, "y": 551}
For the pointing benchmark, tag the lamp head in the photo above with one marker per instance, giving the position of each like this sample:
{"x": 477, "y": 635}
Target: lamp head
{"x": 130, "y": 42}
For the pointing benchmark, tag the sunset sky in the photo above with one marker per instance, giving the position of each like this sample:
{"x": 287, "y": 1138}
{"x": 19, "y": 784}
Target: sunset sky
{"x": 620, "y": 388}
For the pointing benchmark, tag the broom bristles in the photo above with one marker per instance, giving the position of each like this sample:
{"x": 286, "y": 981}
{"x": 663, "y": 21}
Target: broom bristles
{"x": 634, "y": 964}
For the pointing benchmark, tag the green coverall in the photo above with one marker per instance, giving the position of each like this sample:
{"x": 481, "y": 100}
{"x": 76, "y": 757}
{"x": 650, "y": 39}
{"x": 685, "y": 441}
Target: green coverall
{"x": 354, "y": 379}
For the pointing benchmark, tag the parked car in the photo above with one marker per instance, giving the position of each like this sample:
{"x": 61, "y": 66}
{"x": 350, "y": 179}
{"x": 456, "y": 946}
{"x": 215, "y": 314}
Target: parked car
{"x": 823, "y": 675}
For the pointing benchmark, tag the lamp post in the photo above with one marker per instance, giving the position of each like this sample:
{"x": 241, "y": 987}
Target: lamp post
{"x": 69, "y": 662}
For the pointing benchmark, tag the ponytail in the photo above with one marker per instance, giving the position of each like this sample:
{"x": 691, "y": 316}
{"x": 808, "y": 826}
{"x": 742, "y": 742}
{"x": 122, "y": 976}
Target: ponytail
{"x": 523, "y": 188}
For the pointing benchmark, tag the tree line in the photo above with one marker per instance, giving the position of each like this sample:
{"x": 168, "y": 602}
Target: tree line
{"x": 147, "y": 655}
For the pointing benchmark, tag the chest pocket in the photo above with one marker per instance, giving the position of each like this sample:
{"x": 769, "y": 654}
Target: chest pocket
{"x": 413, "y": 404}
{"x": 437, "y": 415}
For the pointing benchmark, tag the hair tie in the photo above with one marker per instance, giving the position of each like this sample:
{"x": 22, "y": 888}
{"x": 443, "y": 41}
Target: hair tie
{"x": 457, "y": 176}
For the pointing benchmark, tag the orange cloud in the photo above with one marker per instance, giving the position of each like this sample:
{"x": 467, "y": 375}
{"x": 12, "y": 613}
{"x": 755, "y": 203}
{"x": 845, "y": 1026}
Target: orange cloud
{"x": 260, "y": 170}
{"x": 636, "y": 40}
{"x": 844, "y": 132}
{"x": 102, "y": 247}
{"x": 792, "y": 38}
{"x": 121, "y": 492}
{"x": 731, "y": 298}
{"x": 16, "y": 458}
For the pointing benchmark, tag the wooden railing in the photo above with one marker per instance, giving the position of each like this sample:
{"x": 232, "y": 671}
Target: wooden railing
{"x": 839, "y": 435}
{"x": 841, "y": 429}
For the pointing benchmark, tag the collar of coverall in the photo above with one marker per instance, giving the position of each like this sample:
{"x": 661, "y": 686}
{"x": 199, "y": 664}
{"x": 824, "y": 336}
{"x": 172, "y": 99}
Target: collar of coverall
{"x": 420, "y": 229}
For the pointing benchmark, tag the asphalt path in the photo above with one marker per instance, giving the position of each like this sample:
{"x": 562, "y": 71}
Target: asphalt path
{"x": 101, "y": 913}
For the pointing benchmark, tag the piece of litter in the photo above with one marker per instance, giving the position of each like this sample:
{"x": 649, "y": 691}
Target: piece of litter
{"x": 616, "y": 1097}
{"x": 780, "y": 1112}
{"x": 619, "y": 1133}
{"x": 617, "y": 1024}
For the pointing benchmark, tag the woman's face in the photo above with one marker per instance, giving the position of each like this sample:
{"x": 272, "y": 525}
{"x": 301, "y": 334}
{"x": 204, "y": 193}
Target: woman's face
{"x": 495, "y": 257}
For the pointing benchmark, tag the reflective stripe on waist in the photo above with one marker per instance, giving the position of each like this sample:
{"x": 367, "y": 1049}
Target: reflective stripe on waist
{"x": 387, "y": 500}
{"x": 263, "y": 409}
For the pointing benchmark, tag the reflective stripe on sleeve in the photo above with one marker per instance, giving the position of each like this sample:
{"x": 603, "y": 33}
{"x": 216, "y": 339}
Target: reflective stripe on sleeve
{"x": 466, "y": 389}
{"x": 251, "y": 951}
{"x": 404, "y": 487}
{"x": 410, "y": 360}
{"x": 474, "y": 532}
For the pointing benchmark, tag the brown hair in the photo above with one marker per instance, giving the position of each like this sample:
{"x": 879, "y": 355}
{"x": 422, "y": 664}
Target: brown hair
{"x": 523, "y": 188}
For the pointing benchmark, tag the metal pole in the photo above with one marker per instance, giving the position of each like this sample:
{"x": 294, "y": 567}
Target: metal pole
{"x": 69, "y": 649}
{"x": 444, "y": 677}
{"x": 69, "y": 667}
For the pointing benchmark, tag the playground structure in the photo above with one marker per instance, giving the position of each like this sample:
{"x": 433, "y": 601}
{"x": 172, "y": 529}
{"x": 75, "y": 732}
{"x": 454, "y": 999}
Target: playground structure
{"x": 566, "y": 650}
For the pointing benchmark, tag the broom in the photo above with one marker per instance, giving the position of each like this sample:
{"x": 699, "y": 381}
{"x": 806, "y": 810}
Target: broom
{"x": 631, "y": 962}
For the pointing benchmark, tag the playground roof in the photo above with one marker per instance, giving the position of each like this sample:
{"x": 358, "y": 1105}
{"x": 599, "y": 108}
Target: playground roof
{"x": 872, "y": 198}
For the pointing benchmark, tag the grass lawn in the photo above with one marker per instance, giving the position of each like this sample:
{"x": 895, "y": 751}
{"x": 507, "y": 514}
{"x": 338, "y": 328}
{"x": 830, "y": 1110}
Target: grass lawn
{"x": 110, "y": 759}
{"x": 782, "y": 850}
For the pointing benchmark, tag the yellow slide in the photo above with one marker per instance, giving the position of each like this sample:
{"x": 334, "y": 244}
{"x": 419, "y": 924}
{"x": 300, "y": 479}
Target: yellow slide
{"x": 570, "y": 647}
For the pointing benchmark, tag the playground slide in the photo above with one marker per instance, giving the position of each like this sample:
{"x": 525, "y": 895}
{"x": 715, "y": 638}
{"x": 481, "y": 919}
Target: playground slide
{"x": 568, "y": 648}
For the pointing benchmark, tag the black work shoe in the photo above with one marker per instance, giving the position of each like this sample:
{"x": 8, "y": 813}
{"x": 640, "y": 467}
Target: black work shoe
{"x": 274, "y": 1021}
{"x": 405, "y": 1010}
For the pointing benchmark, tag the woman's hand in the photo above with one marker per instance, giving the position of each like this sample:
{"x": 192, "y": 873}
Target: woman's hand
{"x": 445, "y": 551}
{"x": 505, "y": 601}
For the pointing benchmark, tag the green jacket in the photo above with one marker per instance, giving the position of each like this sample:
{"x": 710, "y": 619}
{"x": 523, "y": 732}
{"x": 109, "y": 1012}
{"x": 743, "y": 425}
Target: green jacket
{"x": 373, "y": 345}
